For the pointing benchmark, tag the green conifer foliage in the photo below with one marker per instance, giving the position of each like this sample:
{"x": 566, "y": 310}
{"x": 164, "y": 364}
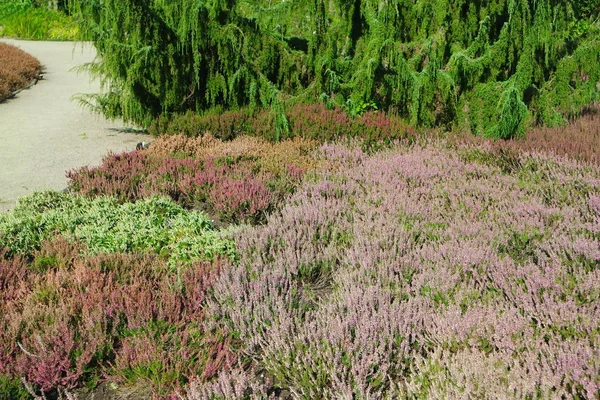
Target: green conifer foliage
{"x": 159, "y": 57}
{"x": 492, "y": 67}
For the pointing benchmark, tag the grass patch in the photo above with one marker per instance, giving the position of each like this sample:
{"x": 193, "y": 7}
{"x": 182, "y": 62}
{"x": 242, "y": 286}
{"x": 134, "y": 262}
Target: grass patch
{"x": 25, "y": 21}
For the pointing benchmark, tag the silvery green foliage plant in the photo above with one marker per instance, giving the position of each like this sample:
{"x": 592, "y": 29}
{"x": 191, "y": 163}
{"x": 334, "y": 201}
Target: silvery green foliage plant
{"x": 422, "y": 273}
{"x": 153, "y": 225}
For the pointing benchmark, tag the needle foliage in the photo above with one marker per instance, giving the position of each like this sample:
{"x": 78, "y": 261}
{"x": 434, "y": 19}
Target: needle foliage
{"x": 492, "y": 67}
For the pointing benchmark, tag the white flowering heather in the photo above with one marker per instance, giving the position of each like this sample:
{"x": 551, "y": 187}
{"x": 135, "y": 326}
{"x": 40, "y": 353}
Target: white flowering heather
{"x": 232, "y": 384}
{"x": 422, "y": 273}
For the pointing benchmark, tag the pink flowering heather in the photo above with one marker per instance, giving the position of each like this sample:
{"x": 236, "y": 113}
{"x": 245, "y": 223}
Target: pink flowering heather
{"x": 310, "y": 121}
{"x": 68, "y": 321}
{"x": 421, "y": 272}
{"x": 230, "y": 190}
{"x": 580, "y": 139}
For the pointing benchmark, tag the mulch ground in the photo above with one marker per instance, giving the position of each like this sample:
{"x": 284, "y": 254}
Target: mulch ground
{"x": 17, "y": 70}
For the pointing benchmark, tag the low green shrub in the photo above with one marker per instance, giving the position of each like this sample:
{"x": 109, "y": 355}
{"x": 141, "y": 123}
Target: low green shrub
{"x": 156, "y": 225}
{"x": 12, "y": 389}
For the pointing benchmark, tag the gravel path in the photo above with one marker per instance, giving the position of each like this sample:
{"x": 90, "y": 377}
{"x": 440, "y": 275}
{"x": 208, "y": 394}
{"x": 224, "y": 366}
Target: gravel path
{"x": 43, "y": 133}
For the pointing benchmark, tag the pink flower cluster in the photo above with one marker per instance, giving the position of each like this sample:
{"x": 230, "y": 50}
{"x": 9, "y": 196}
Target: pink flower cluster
{"x": 229, "y": 190}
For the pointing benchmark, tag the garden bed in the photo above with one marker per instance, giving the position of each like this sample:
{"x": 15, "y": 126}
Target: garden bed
{"x": 18, "y": 70}
{"x": 298, "y": 270}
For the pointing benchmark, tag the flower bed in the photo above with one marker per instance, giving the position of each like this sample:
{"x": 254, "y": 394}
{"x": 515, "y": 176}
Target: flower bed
{"x": 420, "y": 273}
{"x": 17, "y": 70}
{"x": 238, "y": 181}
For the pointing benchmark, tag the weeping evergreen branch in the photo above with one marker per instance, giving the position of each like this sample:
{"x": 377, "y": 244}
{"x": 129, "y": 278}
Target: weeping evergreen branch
{"x": 158, "y": 57}
{"x": 488, "y": 66}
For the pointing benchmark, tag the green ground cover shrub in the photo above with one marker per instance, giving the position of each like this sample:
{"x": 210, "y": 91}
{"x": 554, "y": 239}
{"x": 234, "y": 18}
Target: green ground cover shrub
{"x": 155, "y": 225}
{"x": 12, "y": 389}
{"x": 28, "y": 20}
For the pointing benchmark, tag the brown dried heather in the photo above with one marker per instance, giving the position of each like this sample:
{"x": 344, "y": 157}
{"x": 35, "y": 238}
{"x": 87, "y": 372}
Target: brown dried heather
{"x": 273, "y": 157}
{"x": 17, "y": 69}
{"x": 579, "y": 140}
{"x": 68, "y": 321}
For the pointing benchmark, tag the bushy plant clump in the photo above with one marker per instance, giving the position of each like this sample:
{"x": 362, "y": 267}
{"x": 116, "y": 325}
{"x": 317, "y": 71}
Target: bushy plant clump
{"x": 17, "y": 69}
{"x": 154, "y": 225}
{"x": 238, "y": 181}
{"x": 70, "y": 321}
{"x": 419, "y": 273}
{"x": 25, "y": 19}
{"x": 315, "y": 122}
{"x": 159, "y": 57}
{"x": 579, "y": 140}
{"x": 435, "y": 270}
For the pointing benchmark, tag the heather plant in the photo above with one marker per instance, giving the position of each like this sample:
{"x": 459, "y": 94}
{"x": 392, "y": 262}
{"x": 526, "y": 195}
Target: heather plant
{"x": 238, "y": 383}
{"x": 17, "y": 70}
{"x": 70, "y": 321}
{"x": 155, "y": 225}
{"x": 313, "y": 122}
{"x": 579, "y": 140}
{"x": 274, "y": 158}
{"x": 239, "y": 181}
{"x": 420, "y": 273}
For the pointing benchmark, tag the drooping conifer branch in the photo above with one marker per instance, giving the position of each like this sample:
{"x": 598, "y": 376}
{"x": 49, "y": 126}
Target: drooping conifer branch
{"x": 489, "y": 66}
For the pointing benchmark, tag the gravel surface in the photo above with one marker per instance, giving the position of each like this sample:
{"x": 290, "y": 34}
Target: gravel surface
{"x": 43, "y": 133}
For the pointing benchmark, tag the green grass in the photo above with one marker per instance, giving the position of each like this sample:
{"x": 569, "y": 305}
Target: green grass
{"x": 12, "y": 389}
{"x": 25, "y": 21}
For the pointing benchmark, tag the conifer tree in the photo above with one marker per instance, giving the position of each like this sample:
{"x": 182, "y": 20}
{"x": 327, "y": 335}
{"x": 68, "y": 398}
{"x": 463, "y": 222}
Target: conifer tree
{"x": 492, "y": 67}
{"x": 163, "y": 56}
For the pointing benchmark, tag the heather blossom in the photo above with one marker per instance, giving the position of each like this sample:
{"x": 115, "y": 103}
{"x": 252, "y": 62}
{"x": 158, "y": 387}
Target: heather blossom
{"x": 421, "y": 272}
